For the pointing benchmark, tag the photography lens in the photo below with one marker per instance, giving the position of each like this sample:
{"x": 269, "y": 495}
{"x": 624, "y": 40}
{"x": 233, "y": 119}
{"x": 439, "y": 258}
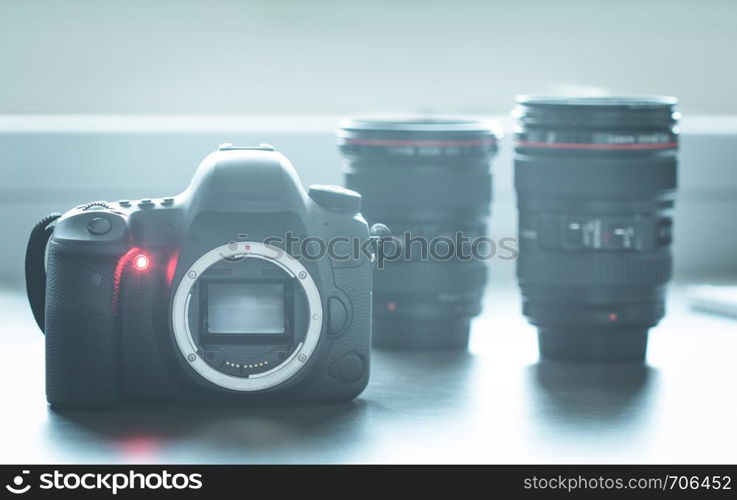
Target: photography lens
{"x": 429, "y": 180}
{"x": 596, "y": 181}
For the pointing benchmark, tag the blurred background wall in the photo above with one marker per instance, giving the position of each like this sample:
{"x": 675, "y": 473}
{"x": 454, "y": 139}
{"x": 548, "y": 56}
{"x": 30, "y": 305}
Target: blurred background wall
{"x": 115, "y": 100}
{"x": 343, "y": 56}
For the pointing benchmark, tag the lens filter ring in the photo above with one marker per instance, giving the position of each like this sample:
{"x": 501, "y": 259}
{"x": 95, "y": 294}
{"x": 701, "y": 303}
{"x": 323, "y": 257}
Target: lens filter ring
{"x": 423, "y": 137}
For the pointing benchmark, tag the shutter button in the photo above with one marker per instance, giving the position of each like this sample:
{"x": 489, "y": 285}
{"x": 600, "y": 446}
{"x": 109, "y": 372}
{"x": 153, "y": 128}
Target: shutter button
{"x": 99, "y": 226}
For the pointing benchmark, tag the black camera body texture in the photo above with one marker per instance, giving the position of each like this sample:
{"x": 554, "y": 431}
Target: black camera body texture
{"x": 113, "y": 333}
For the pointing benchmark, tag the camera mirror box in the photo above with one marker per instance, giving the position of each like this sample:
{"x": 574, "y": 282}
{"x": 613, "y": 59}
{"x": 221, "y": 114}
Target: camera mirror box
{"x": 243, "y": 308}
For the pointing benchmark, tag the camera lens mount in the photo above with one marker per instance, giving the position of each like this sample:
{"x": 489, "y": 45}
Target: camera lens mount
{"x": 192, "y": 352}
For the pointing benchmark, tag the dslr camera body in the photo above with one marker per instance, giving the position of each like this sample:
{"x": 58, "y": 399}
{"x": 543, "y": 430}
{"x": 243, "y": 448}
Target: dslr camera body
{"x": 196, "y": 297}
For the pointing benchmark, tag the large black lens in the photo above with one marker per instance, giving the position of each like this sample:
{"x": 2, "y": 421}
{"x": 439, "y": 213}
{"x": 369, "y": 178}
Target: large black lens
{"x": 429, "y": 180}
{"x": 595, "y": 180}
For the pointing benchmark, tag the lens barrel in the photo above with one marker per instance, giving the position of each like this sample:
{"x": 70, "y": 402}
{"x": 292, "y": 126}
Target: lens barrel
{"x": 596, "y": 181}
{"x": 429, "y": 180}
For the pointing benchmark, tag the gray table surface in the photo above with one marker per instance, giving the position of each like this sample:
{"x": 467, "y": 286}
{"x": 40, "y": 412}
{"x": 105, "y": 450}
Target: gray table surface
{"x": 494, "y": 404}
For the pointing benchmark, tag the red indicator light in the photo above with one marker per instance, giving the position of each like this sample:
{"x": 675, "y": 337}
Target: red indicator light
{"x": 391, "y": 306}
{"x": 613, "y": 317}
{"x": 141, "y": 262}
{"x": 171, "y": 267}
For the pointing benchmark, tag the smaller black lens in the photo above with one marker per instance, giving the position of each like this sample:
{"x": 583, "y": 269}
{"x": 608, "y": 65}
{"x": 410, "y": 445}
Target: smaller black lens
{"x": 429, "y": 180}
{"x": 595, "y": 180}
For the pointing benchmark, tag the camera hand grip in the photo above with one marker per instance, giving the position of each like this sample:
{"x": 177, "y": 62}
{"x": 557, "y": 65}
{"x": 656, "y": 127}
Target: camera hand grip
{"x": 82, "y": 362}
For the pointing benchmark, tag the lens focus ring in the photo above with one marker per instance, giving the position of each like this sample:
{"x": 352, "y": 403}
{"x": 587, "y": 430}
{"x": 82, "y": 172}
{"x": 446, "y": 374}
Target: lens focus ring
{"x": 593, "y": 175}
{"x": 428, "y": 188}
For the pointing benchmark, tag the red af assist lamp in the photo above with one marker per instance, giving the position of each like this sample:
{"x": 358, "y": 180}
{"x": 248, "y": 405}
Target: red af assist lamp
{"x": 141, "y": 262}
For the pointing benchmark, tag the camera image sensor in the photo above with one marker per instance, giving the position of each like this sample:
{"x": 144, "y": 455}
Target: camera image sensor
{"x": 245, "y": 308}
{"x": 596, "y": 182}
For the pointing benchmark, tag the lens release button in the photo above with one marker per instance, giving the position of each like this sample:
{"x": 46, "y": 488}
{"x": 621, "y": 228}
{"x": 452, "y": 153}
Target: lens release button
{"x": 99, "y": 226}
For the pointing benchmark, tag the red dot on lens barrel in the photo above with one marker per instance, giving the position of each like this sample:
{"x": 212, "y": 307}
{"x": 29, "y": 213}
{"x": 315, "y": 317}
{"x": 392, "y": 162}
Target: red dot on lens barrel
{"x": 391, "y": 306}
{"x": 613, "y": 317}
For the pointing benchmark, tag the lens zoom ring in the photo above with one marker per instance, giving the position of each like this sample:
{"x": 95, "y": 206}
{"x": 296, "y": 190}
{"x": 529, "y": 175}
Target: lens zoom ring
{"x": 417, "y": 189}
{"x": 591, "y": 177}
{"x": 575, "y": 269}
{"x": 431, "y": 277}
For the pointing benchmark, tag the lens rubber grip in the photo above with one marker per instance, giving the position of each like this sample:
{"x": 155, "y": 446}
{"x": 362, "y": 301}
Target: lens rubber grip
{"x": 465, "y": 188}
{"x": 593, "y": 176}
{"x": 596, "y": 270}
